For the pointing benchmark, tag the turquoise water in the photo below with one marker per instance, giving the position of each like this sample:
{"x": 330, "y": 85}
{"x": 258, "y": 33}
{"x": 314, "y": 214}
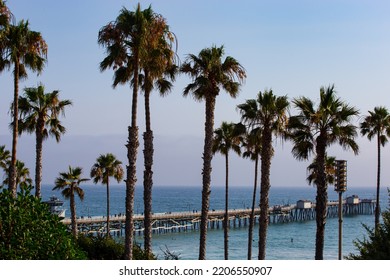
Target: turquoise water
{"x": 284, "y": 241}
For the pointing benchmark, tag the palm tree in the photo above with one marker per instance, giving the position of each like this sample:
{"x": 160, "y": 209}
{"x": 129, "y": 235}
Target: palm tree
{"x": 313, "y": 130}
{"x": 22, "y": 174}
{"x": 4, "y": 158}
{"x": 268, "y": 114}
{"x": 23, "y": 49}
{"x": 124, "y": 40}
{"x": 69, "y": 184}
{"x": 330, "y": 171}
{"x": 209, "y": 74}
{"x": 226, "y": 138}
{"x": 107, "y": 166}
{"x": 39, "y": 114}
{"x": 251, "y": 142}
{"x": 377, "y": 123}
{"x": 158, "y": 65}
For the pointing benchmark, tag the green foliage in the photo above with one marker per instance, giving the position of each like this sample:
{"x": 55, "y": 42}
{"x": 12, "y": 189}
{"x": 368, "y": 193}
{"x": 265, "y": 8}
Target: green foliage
{"x": 103, "y": 248}
{"x": 28, "y": 231}
{"x": 377, "y": 245}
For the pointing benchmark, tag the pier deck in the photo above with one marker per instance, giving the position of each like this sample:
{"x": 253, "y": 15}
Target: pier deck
{"x": 190, "y": 220}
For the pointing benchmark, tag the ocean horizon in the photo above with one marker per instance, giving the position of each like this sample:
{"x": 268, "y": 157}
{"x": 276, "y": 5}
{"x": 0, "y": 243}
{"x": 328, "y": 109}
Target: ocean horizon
{"x": 288, "y": 241}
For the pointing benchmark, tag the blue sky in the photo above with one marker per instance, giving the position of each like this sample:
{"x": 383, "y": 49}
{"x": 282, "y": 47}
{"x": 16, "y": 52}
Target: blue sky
{"x": 293, "y": 47}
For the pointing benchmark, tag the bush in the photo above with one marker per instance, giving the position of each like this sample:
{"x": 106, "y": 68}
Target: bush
{"x": 103, "y": 248}
{"x": 377, "y": 245}
{"x": 28, "y": 231}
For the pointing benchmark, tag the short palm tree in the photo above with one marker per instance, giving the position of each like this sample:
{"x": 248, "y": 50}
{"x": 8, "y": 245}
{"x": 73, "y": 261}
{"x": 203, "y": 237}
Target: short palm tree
{"x": 330, "y": 171}
{"x": 226, "y": 138}
{"x": 377, "y": 124}
{"x": 4, "y": 158}
{"x": 23, "y": 49}
{"x": 124, "y": 40}
{"x": 39, "y": 114}
{"x": 107, "y": 166}
{"x": 268, "y": 113}
{"x": 209, "y": 73}
{"x": 158, "y": 70}
{"x": 312, "y": 131}
{"x": 69, "y": 183}
{"x": 22, "y": 174}
{"x": 251, "y": 144}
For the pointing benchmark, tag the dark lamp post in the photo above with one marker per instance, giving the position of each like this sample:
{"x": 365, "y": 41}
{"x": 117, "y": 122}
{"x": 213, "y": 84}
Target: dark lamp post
{"x": 340, "y": 187}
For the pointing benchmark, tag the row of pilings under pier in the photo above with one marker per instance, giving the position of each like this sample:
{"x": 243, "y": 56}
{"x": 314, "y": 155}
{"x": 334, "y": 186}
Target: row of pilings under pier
{"x": 176, "y": 222}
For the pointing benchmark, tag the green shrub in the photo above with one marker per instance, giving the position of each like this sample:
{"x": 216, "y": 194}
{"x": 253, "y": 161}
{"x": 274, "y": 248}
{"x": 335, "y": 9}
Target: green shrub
{"x": 103, "y": 248}
{"x": 377, "y": 245}
{"x": 28, "y": 231}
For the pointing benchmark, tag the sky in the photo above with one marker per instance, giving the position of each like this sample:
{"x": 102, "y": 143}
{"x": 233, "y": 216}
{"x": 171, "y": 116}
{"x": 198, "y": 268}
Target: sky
{"x": 291, "y": 47}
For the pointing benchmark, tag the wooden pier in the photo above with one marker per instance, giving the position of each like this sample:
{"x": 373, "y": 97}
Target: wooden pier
{"x": 185, "y": 221}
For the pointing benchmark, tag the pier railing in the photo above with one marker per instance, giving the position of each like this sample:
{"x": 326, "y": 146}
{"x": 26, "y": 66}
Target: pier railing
{"x": 190, "y": 220}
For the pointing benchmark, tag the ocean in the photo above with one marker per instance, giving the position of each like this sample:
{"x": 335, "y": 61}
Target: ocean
{"x": 290, "y": 241}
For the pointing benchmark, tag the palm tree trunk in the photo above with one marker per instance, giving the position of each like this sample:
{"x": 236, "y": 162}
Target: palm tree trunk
{"x": 148, "y": 173}
{"x": 38, "y": 157}
{"x": 321, "y": 198}
{"x": 15, "y": 131}
{"x": 226, "y": 228}
{"x": 377, "y": 208}
{"x": 131, "y": 177}
{"x": 266, "y": 155}
{"x": 108, "y": 206}
{"x": 252, "y": 215}
{"x": 73, "y": 213}
{"x": 206, "y": 180}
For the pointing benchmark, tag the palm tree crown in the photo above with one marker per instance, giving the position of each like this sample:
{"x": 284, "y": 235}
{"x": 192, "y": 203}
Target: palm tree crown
{"x": 226, "y": 138}
{"x": 330, "y": 171}
{"x": 5, "y": 20}
{"x": 377, "y": 123}
{"x": 313, "y": 130}
{"x": 107, "y": 166}
{"x": 4, "y": 157}
{"x": 22, "y": 174}
{"x": 209, "y": 73}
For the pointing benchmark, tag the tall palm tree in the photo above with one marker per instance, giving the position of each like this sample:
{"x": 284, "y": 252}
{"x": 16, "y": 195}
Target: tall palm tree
{"x": 107, "y": 166}
{"x": 377, "y": 123}
{"x": 312, "y": 131}
{"x": 23, "y": 49}
{"x": 226, "y": 138}
{"x": 39, "y": 114}
{"x": 251, "y": 143}
{"x": 158, "y": 70}
{"x": 268, "y": 114}
{"x": 124, "y": 40}
{"x": 209, "y": 74}
{"x": 69, "y": 183}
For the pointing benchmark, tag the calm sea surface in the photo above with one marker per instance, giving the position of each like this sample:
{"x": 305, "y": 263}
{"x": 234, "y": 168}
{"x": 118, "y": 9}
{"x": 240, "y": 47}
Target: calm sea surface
{"x": 284, "y": 241}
